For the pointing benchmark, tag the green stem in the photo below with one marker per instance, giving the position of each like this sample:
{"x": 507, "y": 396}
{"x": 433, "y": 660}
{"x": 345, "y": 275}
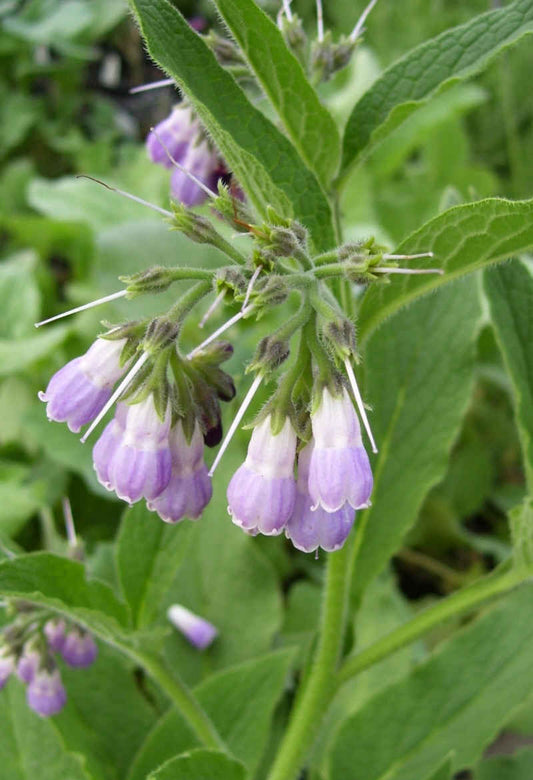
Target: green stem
{"x": 187, "y": 301}
{"x": 180, "y": 695}
{"x": 319, "y": 687}
{"x": 458, "y": 603}
{"x": 183, "y": 273}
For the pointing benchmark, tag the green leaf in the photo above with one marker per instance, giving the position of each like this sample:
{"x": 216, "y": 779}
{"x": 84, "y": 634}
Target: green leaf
{"x": 60, "y": 584}
{"x": 264, "y": 161}
{"x": 516, "y": 767}
{"x": 240, "y": 701}
{"x": 107, "y": 713}
{"x": 18, "y": 354}
{"x": 419, "y": 378}
{"x": 19, "y": 295}
{"x": 200, "y": 765}
{"x": 444, "y": 771}
{"x": 307, "y": 122}
{"x": 463, "y": 239}
{"x": 509, "y": 290}
{"x": 31, "y": 746}
{"x": 521, "y": 520}
{"x": 149, "y": 553}
{"x": 438, "y": 63}
{"x": 456, "y": 701}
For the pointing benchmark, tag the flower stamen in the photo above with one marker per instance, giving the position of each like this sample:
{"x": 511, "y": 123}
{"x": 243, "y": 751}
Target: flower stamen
{"x": 152, "y": 85}
{"x": 358, "y": 29}
{"x": 146, "y": 203}
{"x": 359, "y": 402}
{"x": 236, "y": 317}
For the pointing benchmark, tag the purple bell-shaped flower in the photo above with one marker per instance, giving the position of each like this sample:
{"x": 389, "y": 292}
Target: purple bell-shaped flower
{"x": 189, "y": 490}
{"x": 339, "y": 469}
{"x": 262, "y": 491}
{"x": 80, "y": 390}
{"x": 133, "y": 456}
{"x": 308, "y": 528}
{"x": 203, "y": 162}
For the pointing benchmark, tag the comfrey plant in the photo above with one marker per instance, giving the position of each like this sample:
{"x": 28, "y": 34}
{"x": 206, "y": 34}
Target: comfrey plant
{"x": 351, "y": 395}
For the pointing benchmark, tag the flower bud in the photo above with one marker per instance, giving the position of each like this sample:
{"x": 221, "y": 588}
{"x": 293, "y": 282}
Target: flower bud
{"x": 198, "y": 631}
{"x": 79, "y": 648}
{"x": 29, "y": 662}
{"x": 156, "y": 279}
{"x": 45, "y": 693}
{"x": 54, "y": 631}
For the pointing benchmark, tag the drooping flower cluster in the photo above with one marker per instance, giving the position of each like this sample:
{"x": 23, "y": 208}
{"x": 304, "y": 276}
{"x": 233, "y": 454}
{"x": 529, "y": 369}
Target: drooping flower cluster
{"x": 334, "y": 479}
{"x": 180, "y": 139}
{"x": 153, "y": 448}
{"x": 30, "y": 646}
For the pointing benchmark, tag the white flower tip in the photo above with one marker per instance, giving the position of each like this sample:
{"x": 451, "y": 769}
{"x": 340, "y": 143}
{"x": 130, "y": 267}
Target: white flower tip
{"x": 198, "y": 631}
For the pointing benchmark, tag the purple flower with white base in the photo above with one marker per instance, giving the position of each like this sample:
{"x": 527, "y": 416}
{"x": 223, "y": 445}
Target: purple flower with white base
{"x": 80, "y": 390}
{"x": 54, "y": 631}
{"x": 176, "y": 133}
{"x": 7, "y": 665}
{"x": 198, "y": 631}
{"x": 45, "y": 693}
{"x": 189, "y": 490}
{"x": 203, "y": 162}
{"x": 339, "y": 469}
{"x": 262, "y": 491}
{"x": 308, "y": 528}
{"x": 28, "y": 663}
{"x": 137, "y": 463}
{"x": 79, "y": 649}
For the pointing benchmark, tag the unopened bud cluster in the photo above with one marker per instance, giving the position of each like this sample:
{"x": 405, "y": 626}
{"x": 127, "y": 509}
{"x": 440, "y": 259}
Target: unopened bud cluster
{"x": 31, "y": 646}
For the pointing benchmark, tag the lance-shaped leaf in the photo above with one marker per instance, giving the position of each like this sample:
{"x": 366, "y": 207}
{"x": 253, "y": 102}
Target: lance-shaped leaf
{"x": 463, "y": 239}
{"x": 509, "y": 290}
{"x": 456, "y": 701}
{"x": 455, "y": 54}
{"x": 308, "y": 123}
{"x": 419, "y": 378}
{"x": 264, "y": 161}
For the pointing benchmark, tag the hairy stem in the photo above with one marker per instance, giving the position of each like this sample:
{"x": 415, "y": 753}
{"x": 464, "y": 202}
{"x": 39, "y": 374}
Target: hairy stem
{"x": 319, "y": 687}
{"x": 460, "y": 602}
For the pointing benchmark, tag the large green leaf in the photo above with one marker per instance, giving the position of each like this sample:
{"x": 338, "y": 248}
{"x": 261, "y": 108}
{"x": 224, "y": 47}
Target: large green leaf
{"x": 463, "y": 239}
{"x": 516, "y": 767}
{"x": 200, "y": 765}
{"x": 240, "y": 702}
{"x": 455, "y": 54}
{"x": 19, "y": 294}
{"x": 18, "y": 354}
{"x": 149, "y": 553}
{"x": 309, "y": 124}
{"x": 456, "y": 701}
{"x": 510, "y": 293}
{"x": 264, "y": 161}
{"x": 60, "y": 584}
{"x": 419, "y": 376}
{"x": 31, "y": 746}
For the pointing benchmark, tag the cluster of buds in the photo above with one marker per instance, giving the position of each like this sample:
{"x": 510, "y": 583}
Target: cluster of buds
{"x": 29, "y": 648}
{"x": 322, "y": 57}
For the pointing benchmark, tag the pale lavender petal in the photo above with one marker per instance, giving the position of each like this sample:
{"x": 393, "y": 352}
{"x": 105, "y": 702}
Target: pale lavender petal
{"x": 310, "y": 529}
{"x": 256, "y": 502}
{"x": 72, "y": 398}
{"x": 337, "y": 476}
{"x": 175, "y": 132}
{"x": 104, "y": 450}
{"x": 335, "y": 527}
{"x": 46, "y": 694}
{"x": 184, "y": 497}
{"x": 79, "y": 649}
{"x": 184, "y": 189}
{"x": 198, "y": 631}
{"x": 136, "y": 473}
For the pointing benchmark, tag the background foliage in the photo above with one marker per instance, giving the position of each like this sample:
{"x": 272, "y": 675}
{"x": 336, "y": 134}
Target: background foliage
{"x": 449, "y": 378}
